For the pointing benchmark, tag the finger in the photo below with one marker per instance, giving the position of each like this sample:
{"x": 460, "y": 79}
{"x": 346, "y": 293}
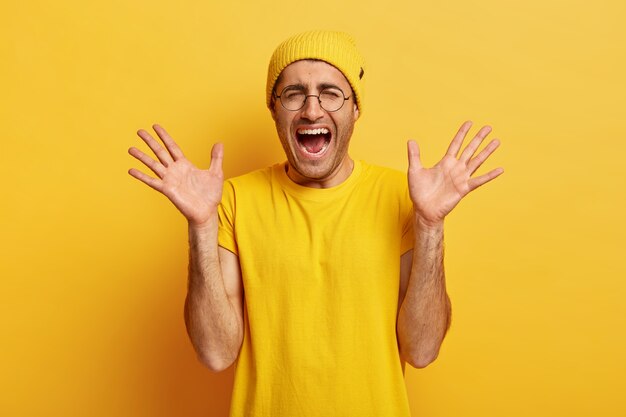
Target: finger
{"x": 158, "y": 150}
{"x": 217, "y": 156}
{"x": 470, "y": 149}
{"x": 474, "y": 183}
{"x": 413, "y": 152}
{"x": 147, "y": 161}
{"x": 456, "y": 143}
{"x": 476, "y": 162}
{"x": 171, "y": 146}
{"x": 146, "y": 179}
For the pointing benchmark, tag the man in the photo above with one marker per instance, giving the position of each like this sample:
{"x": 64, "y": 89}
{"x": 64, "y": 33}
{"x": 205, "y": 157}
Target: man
{"x": 319, "y": 277}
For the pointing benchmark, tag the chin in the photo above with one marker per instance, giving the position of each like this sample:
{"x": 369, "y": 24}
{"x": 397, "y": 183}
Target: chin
{"x": 313, "y": 171}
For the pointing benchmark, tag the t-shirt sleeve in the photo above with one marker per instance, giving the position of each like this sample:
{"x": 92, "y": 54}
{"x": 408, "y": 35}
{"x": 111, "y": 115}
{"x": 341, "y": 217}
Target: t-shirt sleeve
{"x": 226, "y": 211}
{"x": 408, "y": 237}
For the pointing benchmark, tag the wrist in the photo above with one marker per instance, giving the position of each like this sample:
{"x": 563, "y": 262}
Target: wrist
{"x": 426, "y": 224}
{"x": 207, "y": 223}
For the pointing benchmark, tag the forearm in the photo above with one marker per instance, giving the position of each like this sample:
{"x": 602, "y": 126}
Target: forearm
{"x": 424, "y": 315}
{"x": 212, "y": 321}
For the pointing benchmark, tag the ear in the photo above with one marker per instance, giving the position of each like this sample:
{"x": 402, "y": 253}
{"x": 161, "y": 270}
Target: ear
{"x": 272, "y": 108}
{"x": 356, "y": 112}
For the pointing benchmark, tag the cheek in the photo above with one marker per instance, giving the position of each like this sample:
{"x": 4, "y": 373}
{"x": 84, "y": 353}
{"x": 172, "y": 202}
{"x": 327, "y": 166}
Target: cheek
{"x": 283, "y": 129}
{"x": 282, "y": 126}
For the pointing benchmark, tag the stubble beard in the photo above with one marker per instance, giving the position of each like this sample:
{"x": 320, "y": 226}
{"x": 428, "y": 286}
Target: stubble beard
{"x": 319, "y": 170}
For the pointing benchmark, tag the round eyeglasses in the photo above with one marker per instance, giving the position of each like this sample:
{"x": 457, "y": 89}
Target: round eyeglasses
{"x": 293, "y": 98}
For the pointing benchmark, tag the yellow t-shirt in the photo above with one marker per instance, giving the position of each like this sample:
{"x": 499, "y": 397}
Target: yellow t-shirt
{"x": 320, "y": 270}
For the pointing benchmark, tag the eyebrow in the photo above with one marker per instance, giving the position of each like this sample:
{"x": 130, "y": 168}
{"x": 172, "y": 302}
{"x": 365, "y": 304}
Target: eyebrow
{"x": 302, "y": 87}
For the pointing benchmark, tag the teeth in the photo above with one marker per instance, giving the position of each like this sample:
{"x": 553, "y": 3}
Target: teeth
{"x": 319, "y": 131}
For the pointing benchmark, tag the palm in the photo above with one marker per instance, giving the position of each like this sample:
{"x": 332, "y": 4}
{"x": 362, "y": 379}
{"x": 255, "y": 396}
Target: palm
{"x": 193, "y": 191}
{"x": 196, "y": 193}
{"x": 436, "y": 191}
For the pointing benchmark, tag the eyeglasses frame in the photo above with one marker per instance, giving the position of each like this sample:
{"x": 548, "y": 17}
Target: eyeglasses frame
{"x": 306, "y": 97}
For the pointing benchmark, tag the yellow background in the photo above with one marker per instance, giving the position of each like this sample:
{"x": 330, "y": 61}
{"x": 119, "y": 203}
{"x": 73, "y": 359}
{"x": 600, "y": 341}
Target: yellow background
{"x": 93, "y": 263}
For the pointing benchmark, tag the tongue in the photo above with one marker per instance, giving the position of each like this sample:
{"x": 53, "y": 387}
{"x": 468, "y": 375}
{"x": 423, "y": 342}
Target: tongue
{"x": 313, "y": 143}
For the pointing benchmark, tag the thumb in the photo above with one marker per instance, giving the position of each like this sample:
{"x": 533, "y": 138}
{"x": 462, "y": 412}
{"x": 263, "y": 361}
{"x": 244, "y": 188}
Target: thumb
{"x": 217, "y": 155}
{"x": 414, "y": 155}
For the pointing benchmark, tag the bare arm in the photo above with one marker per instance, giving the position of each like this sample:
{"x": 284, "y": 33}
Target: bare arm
{"x": 214, "y": 304}
{"x": 424, "y": 313}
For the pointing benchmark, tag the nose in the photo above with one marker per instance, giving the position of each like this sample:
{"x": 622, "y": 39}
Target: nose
{"x": 312, "y": 109}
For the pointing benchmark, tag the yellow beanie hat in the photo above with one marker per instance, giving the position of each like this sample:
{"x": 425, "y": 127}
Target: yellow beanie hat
{"x": 336, "y": 48}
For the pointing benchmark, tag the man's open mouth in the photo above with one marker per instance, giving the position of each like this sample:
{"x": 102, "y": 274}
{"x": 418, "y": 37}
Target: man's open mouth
{"x": 313, "y": 141}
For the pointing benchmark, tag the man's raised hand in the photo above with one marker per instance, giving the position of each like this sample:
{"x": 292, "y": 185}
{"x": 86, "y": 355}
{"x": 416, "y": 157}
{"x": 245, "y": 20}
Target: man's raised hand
{"x": 436, "y": 191}
{"x": 196, "y": 193}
